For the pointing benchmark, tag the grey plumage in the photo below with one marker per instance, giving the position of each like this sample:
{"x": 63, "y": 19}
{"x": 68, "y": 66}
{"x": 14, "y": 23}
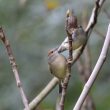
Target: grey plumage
{"x": 78, "y": 37}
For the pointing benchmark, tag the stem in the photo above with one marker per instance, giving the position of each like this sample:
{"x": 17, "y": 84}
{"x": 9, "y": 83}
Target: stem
{"x": 14, "y": 68}
{"x": 95, "y": 72}
{"x": 67, "y": 78}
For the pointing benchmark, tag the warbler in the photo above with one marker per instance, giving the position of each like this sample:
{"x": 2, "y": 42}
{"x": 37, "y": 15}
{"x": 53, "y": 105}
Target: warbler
{"x": 77, "y": 32}
{"x": 58, "y": 66}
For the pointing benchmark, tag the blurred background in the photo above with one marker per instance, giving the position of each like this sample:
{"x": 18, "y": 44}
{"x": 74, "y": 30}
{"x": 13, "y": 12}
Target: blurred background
{"x": 33, "y": 27}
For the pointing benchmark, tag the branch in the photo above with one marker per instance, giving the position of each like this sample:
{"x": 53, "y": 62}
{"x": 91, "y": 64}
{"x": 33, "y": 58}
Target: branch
{"x": 79, "y": 51}
{"x": 66, "y": 80}
{"x": 52, "y": 84}
{"x": 14, "y": 68}
{"x": 88, "y": 30}
{"x": 90, "y": 26}
{"x": 94, "y": 15}
{"x": 95, "y": 72}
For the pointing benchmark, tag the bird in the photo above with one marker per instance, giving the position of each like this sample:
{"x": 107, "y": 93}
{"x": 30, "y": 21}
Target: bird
{"x": 58, "y": 66}
{"x": 77, "y": 32}
{"x": 78, "y": 39}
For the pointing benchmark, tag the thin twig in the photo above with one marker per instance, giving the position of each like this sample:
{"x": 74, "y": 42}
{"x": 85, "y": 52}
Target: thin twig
{"x": 66, "y": 80}
{"x": 94, "y": 16}
{"x": 77, "y": 54}
{"x": 90, "y": 26}
{"x": 64, "y": 89}
{"x": 92, "y": 22}
{"x": 14, "y": 67}
{"x": 95, "y": 71}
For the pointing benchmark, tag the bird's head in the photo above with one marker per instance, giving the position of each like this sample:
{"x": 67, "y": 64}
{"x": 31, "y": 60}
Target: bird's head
{"x": 51, "y": 52}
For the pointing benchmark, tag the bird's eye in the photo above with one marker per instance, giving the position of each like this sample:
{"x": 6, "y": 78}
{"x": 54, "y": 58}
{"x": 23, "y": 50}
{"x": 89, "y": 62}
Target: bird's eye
{"x": 50, "y": 52}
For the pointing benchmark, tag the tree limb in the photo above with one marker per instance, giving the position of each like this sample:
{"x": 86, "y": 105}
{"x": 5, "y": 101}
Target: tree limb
{"x": 14, "y": 67}
{"x": 95, "y": 71}
{"x": 67, "y": 78}
{"x": 88, "y": 31}
{"x": 52, "y": 84}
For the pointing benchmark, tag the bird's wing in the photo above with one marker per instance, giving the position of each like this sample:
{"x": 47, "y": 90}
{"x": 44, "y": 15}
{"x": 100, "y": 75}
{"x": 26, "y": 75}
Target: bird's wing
{"x": 74, "y": 35}
{"x": 50, "y": 70}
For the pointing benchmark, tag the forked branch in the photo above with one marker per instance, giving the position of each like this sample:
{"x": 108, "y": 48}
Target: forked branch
{"x": 14, "y": 67}
{"x": 76, "y": 55}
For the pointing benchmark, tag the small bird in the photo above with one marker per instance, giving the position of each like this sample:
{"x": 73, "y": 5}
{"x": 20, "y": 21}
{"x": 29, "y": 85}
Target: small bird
{"x": 58, "y": 66}
{"x": 78, "y": 39}
{"x": 77, "y": 32}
